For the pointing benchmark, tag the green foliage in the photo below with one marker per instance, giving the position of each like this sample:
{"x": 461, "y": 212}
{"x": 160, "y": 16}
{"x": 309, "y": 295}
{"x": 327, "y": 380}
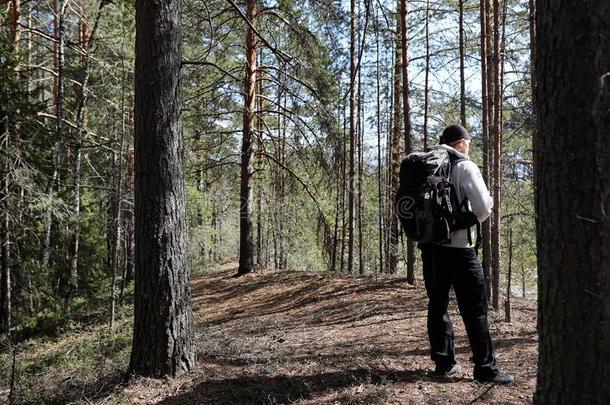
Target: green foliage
{"x": 70, "y": 366}
{"x": 48, "y": 322}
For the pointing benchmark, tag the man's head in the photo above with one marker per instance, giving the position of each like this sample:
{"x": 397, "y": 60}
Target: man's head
{"x": 457, "y": 137}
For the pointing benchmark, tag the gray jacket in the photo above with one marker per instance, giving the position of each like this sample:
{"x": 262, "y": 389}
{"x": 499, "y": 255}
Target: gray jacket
{"x": 469, "y": 183}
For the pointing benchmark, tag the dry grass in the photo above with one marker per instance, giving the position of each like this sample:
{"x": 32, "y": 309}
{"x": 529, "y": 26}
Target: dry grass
{"x": 305, "y": 338}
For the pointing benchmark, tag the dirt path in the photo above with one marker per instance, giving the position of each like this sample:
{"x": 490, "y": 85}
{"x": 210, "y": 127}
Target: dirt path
{"x": 310, "y": 339}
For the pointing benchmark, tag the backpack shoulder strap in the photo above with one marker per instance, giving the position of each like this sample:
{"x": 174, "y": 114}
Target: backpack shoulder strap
{"x": 455, "y": 161}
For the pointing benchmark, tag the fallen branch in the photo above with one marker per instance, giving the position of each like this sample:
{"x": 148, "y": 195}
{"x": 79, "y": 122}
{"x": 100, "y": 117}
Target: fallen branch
{"x": 482, "y": 393}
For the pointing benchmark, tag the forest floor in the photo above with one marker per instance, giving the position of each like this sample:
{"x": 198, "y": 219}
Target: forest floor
{"x": 307, "y": 338}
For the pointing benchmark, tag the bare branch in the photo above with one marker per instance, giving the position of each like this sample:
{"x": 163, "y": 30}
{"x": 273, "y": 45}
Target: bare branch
{"x": 205, "y": 63}
{"x": 283, "y": 56}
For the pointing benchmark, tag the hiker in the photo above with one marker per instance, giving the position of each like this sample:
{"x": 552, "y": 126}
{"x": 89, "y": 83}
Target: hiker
{"x": 454, "y": 263}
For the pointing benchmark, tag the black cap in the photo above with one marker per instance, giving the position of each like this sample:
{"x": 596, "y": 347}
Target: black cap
{"x": 453, "y": 133}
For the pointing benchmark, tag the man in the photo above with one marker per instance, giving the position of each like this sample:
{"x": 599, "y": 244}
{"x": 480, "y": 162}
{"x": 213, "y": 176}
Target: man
{"x": 455, "y": 264}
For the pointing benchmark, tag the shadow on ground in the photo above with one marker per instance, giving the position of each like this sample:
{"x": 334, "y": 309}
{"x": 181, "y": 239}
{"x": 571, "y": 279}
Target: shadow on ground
{"x": 320, "y": 300}
{"x": 287, "y": 389}
{"x": 286, "y": 337}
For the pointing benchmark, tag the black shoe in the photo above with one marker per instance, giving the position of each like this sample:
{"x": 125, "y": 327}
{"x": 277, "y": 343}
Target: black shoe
{"x": 499, "y": 378}
{"x": 443, "y": 371}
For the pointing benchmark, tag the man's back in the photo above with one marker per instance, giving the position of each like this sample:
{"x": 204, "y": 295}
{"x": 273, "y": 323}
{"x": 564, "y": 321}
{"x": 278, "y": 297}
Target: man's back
{"x": 468, "y": 182}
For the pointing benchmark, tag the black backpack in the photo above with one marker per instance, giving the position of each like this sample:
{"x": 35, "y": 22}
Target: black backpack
{"x": 426, "y": 202}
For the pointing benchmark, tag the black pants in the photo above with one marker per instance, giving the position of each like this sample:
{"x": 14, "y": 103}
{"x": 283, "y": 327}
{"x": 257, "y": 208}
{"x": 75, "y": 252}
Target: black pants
{"x": 445, "y": 267}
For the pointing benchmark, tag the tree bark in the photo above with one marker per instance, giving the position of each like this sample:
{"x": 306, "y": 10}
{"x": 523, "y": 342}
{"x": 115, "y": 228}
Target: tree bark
{"x": 360, "y": 134}
{"x": 352, "y": 138}
{"x": 14, "y": 30}
{"x": 333, "y": 264}
{"x": 246, "y": 244}
{"x": 388, "y": 174}
{"x": 379, "y": 162}
{"x": 427, "y": 76}
{"x": 532, "y": 26}
{"x": 278, "y": 242}
{"x": 572, "y": 222}
{"x": 462, "y": 73}
{"x": 509, "y": 275}
{"x": 394, "y": 147}
{"x": 406, "y": 113}
{"x": 163, "y": 341}
{"x": 260, "y": 147}
{"x": 486, "y": 226}
{"x": 497, "y": 146}
{"x": 404, "y": 35}
{"x": 282, "y": 200}
{"x": 343, "y": 191}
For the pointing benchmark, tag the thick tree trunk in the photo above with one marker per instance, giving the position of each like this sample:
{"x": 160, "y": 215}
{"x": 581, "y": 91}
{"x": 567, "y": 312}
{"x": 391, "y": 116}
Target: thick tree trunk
{"x": 246, "y": 244}
{"x": 572, "y": 222}
{"x": 486, "y": 226}
{"x": 404, "y": 40}
{"x": 488, "y": 75}
{"x": 163, "y": 342}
